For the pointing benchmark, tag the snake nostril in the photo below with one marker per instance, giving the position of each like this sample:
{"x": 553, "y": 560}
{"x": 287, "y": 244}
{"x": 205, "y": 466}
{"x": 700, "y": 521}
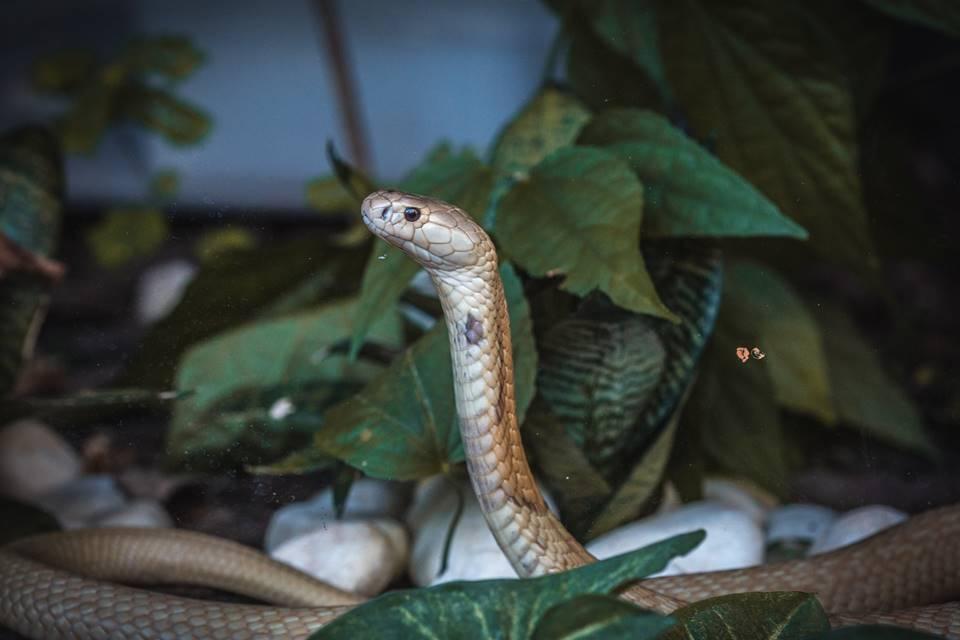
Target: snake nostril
{"x": 385, "y": 212}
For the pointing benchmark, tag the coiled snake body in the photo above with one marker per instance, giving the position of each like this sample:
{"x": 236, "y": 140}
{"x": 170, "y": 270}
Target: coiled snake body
{"x": 62, "y": 585}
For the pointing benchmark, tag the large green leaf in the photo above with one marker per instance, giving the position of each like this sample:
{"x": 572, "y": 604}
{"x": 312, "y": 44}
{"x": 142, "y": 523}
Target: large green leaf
{"x": 459, "y": 178}
{"x": 760, "y": 309}
{"x": 403, "y": 425}
{"x": 603, "y": 77}
{"x": 579, "y": 216}
{"x": 630, "y": 28}
{"x": 237, "y": 286}
{"x": 491, "y": 609}
{"x": 292, "y": 353}
{"x": 687, "y": 191}
{"x": 766, "y": 81}
{"x": 758, "y": 616}
{"x": 864, "y": 395}
{"x": 550, "y": 120}
{"x": 599, "y": 617}
{"x": 943, "y": 15}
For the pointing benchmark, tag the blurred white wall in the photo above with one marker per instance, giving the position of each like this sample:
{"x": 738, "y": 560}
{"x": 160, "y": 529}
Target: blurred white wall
{"x": 425, "y": 69}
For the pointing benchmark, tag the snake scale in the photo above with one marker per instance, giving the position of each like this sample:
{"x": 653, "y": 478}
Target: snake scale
{"x": 65, "y": 585}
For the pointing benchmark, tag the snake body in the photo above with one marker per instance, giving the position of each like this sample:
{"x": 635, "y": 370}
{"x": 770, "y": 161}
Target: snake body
{"x": 889, "y": 578}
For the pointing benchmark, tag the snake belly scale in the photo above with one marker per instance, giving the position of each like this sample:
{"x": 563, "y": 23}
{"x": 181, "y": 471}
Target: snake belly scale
{"x": 71, "y": 585}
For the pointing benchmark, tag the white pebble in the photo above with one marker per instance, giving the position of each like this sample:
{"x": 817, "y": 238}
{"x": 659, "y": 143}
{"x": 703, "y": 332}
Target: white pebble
{"x": 799, "y": 522}
{"x": 368, "y": 498}
{"x": 138, "y": 513}
{"x": 856, "y": 525}
{"x": 733, "y": 539}
{"x": 160, "y": 289}
{"x": 83, "y": 500}
{"x": 360, "y": 556}
{"x": 34, "y": 460}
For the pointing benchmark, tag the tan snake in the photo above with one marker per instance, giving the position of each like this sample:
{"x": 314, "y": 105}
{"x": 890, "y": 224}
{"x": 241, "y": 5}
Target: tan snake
{"x": 63, "y": 585}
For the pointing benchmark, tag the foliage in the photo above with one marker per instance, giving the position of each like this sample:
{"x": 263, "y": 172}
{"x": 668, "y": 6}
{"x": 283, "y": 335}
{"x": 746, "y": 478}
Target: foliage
{"x": 136, "y": 85}
{"x": 503, "y": 608}
{"x": 31, "y": 194}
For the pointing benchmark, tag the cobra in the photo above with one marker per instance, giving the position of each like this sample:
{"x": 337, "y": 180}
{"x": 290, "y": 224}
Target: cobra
{"x": 65, "y": 585}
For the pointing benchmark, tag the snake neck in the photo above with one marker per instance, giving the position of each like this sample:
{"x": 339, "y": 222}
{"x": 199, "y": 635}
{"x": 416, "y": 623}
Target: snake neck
{"x": 481, "y": 352}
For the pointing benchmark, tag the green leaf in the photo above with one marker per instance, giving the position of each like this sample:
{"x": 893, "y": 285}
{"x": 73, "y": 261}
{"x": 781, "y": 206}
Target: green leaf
{"x": 758, "y": 616}
{"x": 403, "y": 425}
{"x": 943, "y": 15}
{"x": 458, "y": 178}
{"x": 85, "y": 122}
{"x": 579, "y": 215}
{"x": 174, "y": 57}
{"x": 496, "y": 608}
{"x": 237, "y": 286}
{"x": 160, "y": 111}
{"x": 630, "y": 28}
{"x": 599, "y": 617}
{"x": 864, "y": 395}
{"x": 687, "y": 191}
{"x": 293, "y": 353}
{"x": 759, "y": 308}
{"x": 603, "y": 77}
{"x": 22, "y": 520}
{"x": 301, "y": 461}
{"x": 354, "y": 181}
{"x": 549, "y": 121}
{"x": 767, "y": 82}
{"x": 31, "y": 188}
{"x": 328, "y": 195}
{"x": 127, "y": 233}
{"x": 223, "y": 240}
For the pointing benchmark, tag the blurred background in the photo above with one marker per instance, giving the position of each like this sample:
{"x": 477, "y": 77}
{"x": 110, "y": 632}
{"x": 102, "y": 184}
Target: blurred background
{"x": 417, "y": 71}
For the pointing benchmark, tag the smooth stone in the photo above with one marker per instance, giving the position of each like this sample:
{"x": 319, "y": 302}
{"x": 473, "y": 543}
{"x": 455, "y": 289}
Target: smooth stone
{"x": 799, "y": 522}
{"x": 368, "y": 498}
{"x": 742, "y": 495}
{"x": 734, "y": 539}
{"x": 138, "y": 513}
{"x": 160, "y": 289}
{"x": 360, "y": 556}
{"x": 474, "y": 553}
{"x": 34, "y": 460}
{"x": 856, "y": 525}
{"x": 86, "y": 498}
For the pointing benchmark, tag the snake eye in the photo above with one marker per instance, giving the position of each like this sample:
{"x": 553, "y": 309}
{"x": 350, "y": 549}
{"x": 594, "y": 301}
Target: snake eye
{"x": 411, "y": 214}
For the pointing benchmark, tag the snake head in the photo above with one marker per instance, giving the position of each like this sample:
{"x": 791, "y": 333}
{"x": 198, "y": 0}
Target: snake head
{"x": 436, "y": 234}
